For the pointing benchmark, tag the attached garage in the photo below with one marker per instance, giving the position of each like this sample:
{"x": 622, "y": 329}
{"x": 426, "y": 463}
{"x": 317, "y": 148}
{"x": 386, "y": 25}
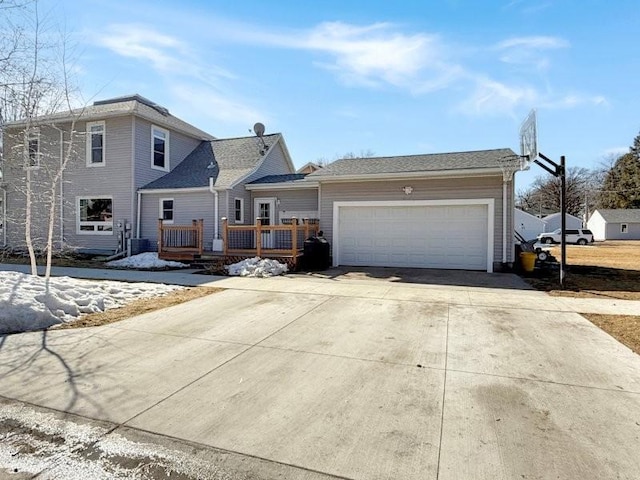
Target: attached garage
{"x": 448, "y": 234}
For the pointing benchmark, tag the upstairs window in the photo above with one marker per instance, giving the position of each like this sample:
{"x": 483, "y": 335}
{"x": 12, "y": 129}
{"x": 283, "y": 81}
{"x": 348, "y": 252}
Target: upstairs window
{"x": 624, "y": 228}
{"x": 95, "y": 215}
{"x": 238, "y": 209}
{"x": 166, "y": 210}
{"x": 95, "y": 144}
{"x": 32, "y": 149}
{"x": 159, "y": 148}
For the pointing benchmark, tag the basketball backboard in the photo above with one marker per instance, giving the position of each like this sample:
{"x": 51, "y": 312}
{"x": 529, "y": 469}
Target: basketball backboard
{"x": 529, "y": 139}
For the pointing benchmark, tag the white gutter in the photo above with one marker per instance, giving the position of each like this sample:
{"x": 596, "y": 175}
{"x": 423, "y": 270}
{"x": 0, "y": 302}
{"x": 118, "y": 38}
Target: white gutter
{"x": 475, "y": 172}
{"x": 282, "y": 185}
{"x": 138, "y": 215}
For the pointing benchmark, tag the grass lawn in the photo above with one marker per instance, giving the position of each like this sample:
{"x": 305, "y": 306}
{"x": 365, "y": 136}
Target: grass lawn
{"x": 608, "y": 269}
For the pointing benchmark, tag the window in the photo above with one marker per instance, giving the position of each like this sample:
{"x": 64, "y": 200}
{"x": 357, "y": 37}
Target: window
{"x": 160, "y": 148}
{"x": 95, "y": 144}
{"x": 624, "y": 228}
{"x": 32, "y": 149}
{"x": 95, "y": 215}
{"x": 166, "y": 210}
{"x": 238, "y": 209}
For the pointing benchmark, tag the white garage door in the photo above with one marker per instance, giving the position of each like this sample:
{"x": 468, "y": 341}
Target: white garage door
{"x": 426, "y": 236}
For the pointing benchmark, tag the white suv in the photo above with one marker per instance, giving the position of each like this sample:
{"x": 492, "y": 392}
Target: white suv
{"x": 581, "y": 236}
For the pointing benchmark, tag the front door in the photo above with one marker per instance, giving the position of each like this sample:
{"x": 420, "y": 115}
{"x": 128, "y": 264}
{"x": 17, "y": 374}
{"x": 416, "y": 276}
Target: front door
{"x": 265, "y": 209}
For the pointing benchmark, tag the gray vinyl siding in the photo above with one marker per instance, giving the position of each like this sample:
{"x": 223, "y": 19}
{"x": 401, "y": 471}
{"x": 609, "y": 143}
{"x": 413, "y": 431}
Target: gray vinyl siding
{"x": 425, "y": 189}
{"x": 14, "y": 179}
{"x": 302, "y": 200}
{"x": 179, "y": 147}
{"x": 613, "y": 231}
{"x": 239, "y": 192}
{"x": 111, "y": 180}
{"x": 187, "y": 206}
{"x": 275, "y": 163}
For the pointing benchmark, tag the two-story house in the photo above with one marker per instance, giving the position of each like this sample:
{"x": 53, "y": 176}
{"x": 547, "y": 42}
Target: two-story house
{"x": 118, "y": 146}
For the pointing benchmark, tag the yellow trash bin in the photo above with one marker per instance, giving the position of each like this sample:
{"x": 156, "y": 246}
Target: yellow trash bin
{"x": 528, "y": 261}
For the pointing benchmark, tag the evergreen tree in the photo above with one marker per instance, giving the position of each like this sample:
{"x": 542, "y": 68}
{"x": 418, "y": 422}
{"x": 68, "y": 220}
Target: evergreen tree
{"x": 621, "y": 187}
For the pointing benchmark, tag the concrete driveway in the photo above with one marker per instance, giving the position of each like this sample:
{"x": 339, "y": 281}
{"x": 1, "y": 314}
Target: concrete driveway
{"x": 356, "y": 376}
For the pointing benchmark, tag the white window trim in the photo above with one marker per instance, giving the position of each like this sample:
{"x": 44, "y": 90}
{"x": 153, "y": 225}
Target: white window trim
{"x": 166, "y": 167}
{"x": 34, "y": 133}
{"x": 624, "y": 228}
{"x": 241, "y": 209}
{"x": 104, "y": 144}
{"x": 78, "y": 223}
{"x": 173, "y": 210}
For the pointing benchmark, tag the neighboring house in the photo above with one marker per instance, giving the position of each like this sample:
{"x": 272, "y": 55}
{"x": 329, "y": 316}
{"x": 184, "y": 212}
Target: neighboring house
{"x": 553, "y": 222}
{"x": 527, "y": 225}
{"x": 309, "y": 168}
{"x": 121, "y": 144}
{"x": 615, "y": 224}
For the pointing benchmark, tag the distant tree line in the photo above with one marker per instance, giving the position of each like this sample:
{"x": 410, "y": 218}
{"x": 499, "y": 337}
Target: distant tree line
{"x": 616, "y": 184}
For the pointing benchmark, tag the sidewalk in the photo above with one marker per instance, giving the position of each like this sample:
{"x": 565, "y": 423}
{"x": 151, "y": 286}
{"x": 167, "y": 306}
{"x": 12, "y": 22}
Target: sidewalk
{"x": 309, "y": 284}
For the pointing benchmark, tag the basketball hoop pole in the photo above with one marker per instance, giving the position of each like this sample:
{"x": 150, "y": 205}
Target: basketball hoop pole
{"x": 559, "y": 170}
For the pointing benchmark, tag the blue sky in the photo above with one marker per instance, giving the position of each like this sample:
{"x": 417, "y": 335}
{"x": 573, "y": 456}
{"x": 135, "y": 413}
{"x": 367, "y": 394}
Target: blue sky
{"x": 395, "y": 78}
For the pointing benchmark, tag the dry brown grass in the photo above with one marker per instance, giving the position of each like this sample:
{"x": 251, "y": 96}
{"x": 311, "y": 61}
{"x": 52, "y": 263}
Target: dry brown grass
{"x": 609, "y": 269}
{"x": 624, "y": 328}
{"x": 139, "y": 307}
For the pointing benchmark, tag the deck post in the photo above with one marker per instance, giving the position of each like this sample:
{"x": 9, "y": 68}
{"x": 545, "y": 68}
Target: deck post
{"x": 225, "y": 235}
{"x": 159, "y": 236}
{"x": 294, "y": 237}
{"x": 200, "y": 236}
{"x": 258, "y": 237}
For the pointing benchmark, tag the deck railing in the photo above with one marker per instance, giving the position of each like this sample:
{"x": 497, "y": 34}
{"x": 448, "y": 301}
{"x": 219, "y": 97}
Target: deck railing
{"x": 264, "y": 240}
{"x": 181, "y": 238}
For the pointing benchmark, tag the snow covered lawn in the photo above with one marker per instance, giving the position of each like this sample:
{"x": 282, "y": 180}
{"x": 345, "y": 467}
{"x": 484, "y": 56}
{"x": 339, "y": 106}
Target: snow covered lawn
{"x": 28, "y": 303}
{"x": 146, "y": 261}
{"x": 257, "y": 267}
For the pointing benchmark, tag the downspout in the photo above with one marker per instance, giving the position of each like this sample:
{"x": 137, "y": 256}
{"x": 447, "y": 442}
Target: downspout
{"x": 504, "y": 219}
{"x": 138, "y": 214}
{"x": 216, "y": 227}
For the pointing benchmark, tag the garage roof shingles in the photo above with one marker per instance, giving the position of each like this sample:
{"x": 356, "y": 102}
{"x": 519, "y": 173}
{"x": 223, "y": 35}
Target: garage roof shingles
{"x": 415, "y": 163}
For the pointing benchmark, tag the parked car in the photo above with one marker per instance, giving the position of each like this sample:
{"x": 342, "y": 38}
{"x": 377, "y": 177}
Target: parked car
{"x": 582, "y": 236}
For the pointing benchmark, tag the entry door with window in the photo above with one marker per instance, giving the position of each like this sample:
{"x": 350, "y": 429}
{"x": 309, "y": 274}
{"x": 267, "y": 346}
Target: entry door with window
{"x": 265, "y": 209}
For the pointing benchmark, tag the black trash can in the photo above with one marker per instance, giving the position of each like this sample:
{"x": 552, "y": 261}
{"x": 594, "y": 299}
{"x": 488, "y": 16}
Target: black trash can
{"x": 317, "y": 254}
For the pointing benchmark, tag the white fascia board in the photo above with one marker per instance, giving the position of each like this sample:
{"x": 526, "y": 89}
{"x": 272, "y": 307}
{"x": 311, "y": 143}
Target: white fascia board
{"x": 281, "y": 186}
{"x": 174, "y": 190}
{"x": 477, "y": 172}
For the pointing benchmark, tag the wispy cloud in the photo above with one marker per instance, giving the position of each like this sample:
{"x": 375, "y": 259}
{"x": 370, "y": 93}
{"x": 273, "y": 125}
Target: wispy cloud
{"x": 529, "y": 50}
{"x": 191, "y": 80}
{"x": 372, "y": 55}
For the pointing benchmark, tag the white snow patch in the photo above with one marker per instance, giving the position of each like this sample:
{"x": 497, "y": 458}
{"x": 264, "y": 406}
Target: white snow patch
{"x": 257, "y": 267}
{"x": 28, "y": 302}
{"x": 145, "y": 260}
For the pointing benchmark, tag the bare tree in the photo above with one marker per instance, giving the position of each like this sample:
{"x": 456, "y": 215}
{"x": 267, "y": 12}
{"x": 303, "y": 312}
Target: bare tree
{"x": 34, "y": 85}
{"x": 544, "y": 194}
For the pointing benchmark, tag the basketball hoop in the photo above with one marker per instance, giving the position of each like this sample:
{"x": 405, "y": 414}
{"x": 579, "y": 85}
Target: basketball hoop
{"x": 529, "y": 140}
